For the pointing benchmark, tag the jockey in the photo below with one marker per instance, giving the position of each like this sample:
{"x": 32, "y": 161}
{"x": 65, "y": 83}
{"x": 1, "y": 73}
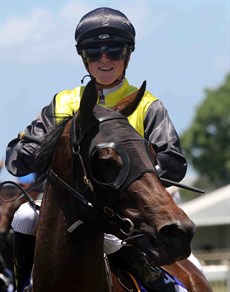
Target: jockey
{"x": 105, "y": 40}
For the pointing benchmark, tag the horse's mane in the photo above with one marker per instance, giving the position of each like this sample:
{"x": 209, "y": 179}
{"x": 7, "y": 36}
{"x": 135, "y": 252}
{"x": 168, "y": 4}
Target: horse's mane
{"x": 45, "y": 151}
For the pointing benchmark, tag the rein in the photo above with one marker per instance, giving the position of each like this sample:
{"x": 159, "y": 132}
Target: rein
{"x": 109, "y": 217}
{"x": 25, "y": 193}
{"x": 108, "y": 213}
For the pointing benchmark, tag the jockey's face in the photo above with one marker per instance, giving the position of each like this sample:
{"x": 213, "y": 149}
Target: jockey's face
{"x": 105, "y": 70}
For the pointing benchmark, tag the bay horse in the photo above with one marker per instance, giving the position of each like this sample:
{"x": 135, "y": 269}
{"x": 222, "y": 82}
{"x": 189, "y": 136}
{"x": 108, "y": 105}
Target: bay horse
{"x": 101, "y": 179}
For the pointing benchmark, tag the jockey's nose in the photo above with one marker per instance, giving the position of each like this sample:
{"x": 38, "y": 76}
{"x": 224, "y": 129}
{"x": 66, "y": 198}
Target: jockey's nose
{"x": 104, "y": 58}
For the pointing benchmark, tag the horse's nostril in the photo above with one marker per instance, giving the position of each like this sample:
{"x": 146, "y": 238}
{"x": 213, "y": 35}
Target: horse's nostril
{"x": 172, "y": 231}
{"x": 177, "y": 231}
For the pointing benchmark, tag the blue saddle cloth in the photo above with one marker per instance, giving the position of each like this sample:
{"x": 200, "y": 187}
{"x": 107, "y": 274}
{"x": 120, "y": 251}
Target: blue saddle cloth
{"x": 168, "y": 278}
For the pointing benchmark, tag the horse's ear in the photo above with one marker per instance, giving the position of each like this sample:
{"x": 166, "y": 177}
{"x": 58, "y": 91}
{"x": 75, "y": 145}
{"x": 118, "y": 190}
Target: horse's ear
{"x": 128, "y": 105}
{"x": 88, "y": 100}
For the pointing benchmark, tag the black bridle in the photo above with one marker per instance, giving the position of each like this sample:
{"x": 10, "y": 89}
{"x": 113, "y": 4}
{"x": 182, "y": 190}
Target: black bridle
{"x": 108, "y": 216}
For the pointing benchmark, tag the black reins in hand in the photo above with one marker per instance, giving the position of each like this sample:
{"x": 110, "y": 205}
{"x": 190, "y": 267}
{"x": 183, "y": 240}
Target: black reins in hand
{"x": 24, "y": 193}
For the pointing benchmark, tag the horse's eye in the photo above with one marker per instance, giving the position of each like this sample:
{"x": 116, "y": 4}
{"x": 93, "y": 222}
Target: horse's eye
{"x": 105, "y": 165}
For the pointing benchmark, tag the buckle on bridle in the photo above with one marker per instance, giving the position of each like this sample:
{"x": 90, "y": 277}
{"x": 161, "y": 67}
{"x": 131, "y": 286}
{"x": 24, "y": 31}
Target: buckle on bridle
{"x": 109, "y": 212}
{"x": 128, "y": 227}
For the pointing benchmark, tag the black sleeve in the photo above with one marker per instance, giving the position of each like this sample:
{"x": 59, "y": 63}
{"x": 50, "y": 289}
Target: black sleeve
{"x": 160, "y": 132}
{"x": 20, "y": 151}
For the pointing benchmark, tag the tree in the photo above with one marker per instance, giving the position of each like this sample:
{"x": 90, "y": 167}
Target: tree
{"x": 207, "y": 142}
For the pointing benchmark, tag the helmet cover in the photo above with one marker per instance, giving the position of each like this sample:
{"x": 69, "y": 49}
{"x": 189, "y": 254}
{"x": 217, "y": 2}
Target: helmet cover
{"x": 104, "y": 25}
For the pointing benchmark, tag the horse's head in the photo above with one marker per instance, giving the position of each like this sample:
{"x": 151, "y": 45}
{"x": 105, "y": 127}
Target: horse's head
{"x": 107, "y": 151}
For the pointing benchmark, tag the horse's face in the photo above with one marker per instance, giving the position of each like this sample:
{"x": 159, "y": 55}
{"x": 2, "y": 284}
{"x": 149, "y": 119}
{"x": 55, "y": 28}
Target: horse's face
{"x": 120, "y": 166}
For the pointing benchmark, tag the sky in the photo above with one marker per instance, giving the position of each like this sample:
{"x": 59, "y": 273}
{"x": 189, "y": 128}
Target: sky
{"x": 182, "y": 48}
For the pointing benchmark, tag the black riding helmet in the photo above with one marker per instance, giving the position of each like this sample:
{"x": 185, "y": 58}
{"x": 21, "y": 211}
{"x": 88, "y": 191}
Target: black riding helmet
{"x": 104, "y": 25}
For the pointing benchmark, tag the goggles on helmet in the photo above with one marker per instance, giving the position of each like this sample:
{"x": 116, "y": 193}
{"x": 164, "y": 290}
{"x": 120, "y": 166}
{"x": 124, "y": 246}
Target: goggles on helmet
{"x": 112, "y": 52}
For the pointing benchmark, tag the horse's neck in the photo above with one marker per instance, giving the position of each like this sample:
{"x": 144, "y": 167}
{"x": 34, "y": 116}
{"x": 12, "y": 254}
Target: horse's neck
{"x": 67, "y": 261}
{"x": 88, "y": 247}
{"x": 91, "y": 262}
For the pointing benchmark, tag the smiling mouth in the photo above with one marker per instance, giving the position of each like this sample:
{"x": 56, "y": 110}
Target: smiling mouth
{"x": 105, "y": 69}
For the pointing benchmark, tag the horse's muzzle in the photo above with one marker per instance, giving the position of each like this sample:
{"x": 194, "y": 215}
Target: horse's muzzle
{"x": 171, "y": 243}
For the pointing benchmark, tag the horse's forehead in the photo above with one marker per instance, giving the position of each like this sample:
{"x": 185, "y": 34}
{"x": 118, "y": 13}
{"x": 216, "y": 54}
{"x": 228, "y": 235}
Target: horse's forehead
{"x": 113, "y": 126}
{"x": 100, "y": 112}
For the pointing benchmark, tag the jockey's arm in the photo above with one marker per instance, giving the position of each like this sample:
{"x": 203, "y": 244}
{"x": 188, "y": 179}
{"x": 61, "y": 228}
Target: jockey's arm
{"x": 20, "y": 152}
{"x": 160, "y": 132}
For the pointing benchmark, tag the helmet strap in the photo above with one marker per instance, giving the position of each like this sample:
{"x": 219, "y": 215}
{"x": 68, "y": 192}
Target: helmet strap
{"x": 87, "y": 75}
